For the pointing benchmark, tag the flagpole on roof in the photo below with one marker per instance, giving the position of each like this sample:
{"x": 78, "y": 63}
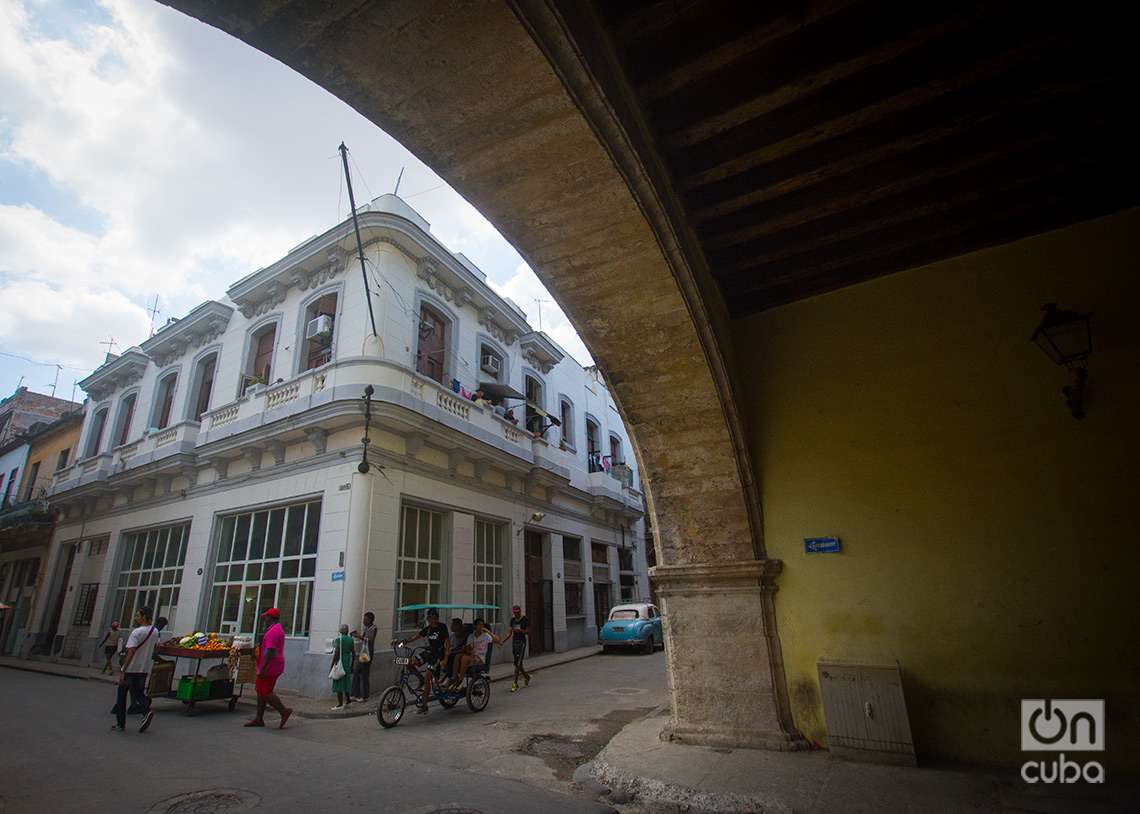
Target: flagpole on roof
{"x": 359, "y": 243}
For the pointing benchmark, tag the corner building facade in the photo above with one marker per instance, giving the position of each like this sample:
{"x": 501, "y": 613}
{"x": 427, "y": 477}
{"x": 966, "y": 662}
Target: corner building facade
{"x": 218, "y": 466}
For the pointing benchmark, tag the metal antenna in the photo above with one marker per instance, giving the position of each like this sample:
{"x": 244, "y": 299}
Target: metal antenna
{"x": 356, "y": 228}
{"x": 153, "y": 311}
{"x": 540, "y": 301}
{"x": 399, "y": 177}
{"x": 110, "y": 343}
{"x": 58, "y": 368}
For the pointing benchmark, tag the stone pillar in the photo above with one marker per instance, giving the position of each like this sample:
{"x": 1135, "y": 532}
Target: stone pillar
{"x": 710, "y": 609}
{"x": 356, "y": 549}
{"x": 615, "y": 577}
{"x": 591, "y": 633}
{"x": 552, "y": 559}
{"x": 462, "y": 560}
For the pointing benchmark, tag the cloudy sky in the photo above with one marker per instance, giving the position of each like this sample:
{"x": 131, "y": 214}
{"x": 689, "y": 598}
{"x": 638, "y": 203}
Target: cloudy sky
{"x": 145, "y": 154}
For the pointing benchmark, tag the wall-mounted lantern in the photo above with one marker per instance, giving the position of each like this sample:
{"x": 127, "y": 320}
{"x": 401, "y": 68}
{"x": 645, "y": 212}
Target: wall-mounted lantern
{"x": 1066, "y": 338}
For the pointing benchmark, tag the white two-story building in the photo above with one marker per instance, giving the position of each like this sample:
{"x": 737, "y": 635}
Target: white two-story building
{"x": 219, "y": 467}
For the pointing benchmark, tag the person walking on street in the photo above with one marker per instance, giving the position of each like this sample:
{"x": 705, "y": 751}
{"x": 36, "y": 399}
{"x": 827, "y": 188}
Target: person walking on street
{"x": 269, "y": 668}
{"x": 110, "y": 645}
{"x": 342, "y": 678}
{"x": 133, "y": 673}
{"x": 362, "y": 670}
{"x": 520, "y": 629}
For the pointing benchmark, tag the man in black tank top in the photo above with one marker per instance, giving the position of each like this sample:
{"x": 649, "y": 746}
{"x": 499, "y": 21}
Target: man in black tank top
{"x": 520, "y": 629}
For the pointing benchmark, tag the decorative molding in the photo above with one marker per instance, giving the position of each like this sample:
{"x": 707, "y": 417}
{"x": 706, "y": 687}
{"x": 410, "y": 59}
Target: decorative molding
{"x": 454, "y": 459}
{"x": 253, "y": 454}
{"x": 414, "y": 442}
{"x": 318, "y": 437}
{"x": 482, "y": 467}
{"x": 120, "y": 372}
{"x": 277, "y": 450}
{"x": 261, "y": 300}
{"x": 200, "y": 327}
{"x": 221, "y": 467}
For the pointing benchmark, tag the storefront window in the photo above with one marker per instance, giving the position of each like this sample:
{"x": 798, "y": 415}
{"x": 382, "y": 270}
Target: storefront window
{"x": 419, "y": 578}
{"x": 265, "y": 559}
{"x": 489, "y": 568}
{"x": 151, "y": 573}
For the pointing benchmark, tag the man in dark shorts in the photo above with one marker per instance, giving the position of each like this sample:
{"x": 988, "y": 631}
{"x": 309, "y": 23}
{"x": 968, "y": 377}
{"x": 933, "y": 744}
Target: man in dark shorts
{"x": 436, "y": 635}
{"x": 520, "y": 629}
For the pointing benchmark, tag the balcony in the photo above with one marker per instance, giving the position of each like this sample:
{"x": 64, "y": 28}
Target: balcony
{"x": 344, "y": 381}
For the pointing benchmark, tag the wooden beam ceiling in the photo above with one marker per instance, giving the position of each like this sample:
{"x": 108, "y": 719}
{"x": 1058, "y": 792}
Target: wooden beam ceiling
{"x": 818, "y": 145}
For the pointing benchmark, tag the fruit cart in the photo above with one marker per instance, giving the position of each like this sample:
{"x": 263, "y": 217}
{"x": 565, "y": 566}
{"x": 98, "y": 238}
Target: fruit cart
{"x": 194, "y": 688}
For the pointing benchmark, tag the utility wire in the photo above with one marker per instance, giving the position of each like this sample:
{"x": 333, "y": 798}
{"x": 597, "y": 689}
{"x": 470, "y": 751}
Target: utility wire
{"x": 43, "y": 364}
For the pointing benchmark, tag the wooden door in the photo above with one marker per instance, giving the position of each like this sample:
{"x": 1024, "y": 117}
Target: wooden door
{"x": 535, "y": 604}
{"x": 431, "y": 348}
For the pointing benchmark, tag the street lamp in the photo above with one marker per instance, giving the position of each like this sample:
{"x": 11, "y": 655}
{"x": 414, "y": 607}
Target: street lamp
{"x": 1066, "y": 338}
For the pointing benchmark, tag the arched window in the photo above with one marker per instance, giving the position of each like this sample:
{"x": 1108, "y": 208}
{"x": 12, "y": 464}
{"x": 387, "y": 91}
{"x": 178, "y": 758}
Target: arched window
{"x": 616, "y": 456}
{"x": 95, "y": 436}
{"x": 259, "y": 363}
{"x": 320, "y": 317}
{"x": 123, "y": 419}
{"x": 533, "y": 389}
{"x": 202, "y": 386}
{"x": 164, "y": 401}
{"x": 432, "y": 343}
{"x": 566, "y": 416}
{"x": 593, "y": 445}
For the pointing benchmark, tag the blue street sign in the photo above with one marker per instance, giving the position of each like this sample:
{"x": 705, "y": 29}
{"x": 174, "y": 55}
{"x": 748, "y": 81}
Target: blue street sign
{"x": 338, "y": 576}
{"x": 821, "y": 545}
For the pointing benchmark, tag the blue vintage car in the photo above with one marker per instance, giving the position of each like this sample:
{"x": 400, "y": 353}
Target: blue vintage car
{"x": 635, "y": 625}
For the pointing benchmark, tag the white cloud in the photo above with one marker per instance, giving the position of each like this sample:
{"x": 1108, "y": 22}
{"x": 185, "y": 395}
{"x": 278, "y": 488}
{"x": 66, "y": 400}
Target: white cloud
{"x": 199, "y": 160}
{"x": 524, "y": 288}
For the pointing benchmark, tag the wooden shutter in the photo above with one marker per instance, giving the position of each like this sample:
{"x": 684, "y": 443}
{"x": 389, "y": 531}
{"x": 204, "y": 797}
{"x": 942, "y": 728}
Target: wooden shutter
{"x": 430, "y": 349}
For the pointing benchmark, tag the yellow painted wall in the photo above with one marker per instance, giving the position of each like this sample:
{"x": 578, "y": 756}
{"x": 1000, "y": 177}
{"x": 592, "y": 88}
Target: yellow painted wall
{"x": 45, "y": 449}
{"x": 989, "y": 539}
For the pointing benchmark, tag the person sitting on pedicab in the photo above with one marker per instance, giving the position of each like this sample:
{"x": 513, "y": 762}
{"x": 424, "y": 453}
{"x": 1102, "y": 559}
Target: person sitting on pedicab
{"x": 435, "y": 634}
{"x": 478, "y": 644}
{"x": 456, "y": 644}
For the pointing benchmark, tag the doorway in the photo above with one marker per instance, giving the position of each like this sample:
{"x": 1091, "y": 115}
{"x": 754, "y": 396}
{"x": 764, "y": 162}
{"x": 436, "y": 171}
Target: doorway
{"x": 49, "y": 644}
{"x": 538, "y": 590}
{"x": 602, "y": 601}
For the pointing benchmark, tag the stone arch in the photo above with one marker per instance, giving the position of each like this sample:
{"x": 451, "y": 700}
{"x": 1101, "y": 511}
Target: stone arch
{"x": 523, "y": 133}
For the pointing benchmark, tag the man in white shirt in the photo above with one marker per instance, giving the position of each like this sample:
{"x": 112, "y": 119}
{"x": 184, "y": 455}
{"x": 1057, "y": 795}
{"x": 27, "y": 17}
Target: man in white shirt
{"x": 136, "y": 667}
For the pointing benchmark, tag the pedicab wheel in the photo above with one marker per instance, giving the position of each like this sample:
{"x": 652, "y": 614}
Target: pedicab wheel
{"x": 391, "y": 709}
{"x": 478, "y": 693}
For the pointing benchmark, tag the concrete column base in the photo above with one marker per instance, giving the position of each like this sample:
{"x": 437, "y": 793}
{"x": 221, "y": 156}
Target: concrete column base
{"x": 726, "y": 675}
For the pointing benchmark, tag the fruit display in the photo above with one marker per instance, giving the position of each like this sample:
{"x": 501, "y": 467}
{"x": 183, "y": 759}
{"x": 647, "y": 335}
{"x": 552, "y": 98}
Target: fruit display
{"x": 201, "y": 641}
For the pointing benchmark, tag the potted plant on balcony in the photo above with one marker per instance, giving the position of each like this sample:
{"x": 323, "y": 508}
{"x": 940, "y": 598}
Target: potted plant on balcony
{"x": 252, "y": 385}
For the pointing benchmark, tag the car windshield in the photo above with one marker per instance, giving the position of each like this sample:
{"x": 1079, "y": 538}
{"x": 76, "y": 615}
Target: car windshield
{"x": 624, "y": 614}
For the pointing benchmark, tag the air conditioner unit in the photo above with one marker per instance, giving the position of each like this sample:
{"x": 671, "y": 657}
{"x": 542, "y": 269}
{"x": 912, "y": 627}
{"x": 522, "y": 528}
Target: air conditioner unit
{"x": 491, "y": 364}
{"x": 320, "y": 329}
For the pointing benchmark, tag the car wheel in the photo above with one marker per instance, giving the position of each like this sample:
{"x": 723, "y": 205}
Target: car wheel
{"x": 648, "y": 647}
{"x": 606, "y": 649}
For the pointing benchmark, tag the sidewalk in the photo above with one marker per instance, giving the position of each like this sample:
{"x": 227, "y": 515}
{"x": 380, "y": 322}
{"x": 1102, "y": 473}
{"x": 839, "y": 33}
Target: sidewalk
{"x": 303, "y": 706}
{"x": 666, "y": 777}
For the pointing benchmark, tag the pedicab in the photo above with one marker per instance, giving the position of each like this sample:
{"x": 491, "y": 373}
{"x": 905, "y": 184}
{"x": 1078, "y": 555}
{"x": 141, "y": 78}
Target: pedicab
{"x": 476, "y": 687}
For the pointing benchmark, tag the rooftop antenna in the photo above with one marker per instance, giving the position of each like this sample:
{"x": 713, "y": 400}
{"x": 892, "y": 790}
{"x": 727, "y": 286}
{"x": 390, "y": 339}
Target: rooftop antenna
{"x": 74, "y": 383}
{"x": 110, "y": 343}
{"x": 58, "y": 368}
{"x": 396, "y": 191}
{"x": 154, "y": 312}
{"x": 540, "y": 301}
{"x": 356, "y": 228}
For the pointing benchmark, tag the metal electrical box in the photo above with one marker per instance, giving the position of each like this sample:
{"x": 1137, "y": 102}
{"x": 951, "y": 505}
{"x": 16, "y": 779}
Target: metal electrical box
{"x": 865, "y": 712}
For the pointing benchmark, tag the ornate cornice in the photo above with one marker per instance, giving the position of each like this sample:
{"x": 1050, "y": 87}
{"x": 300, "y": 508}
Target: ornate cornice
{"x": 260, "y": 293}
{"x": 201, "y": 326}
{"x": 539, "y": 352}
{"x": 122, "y": 371}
